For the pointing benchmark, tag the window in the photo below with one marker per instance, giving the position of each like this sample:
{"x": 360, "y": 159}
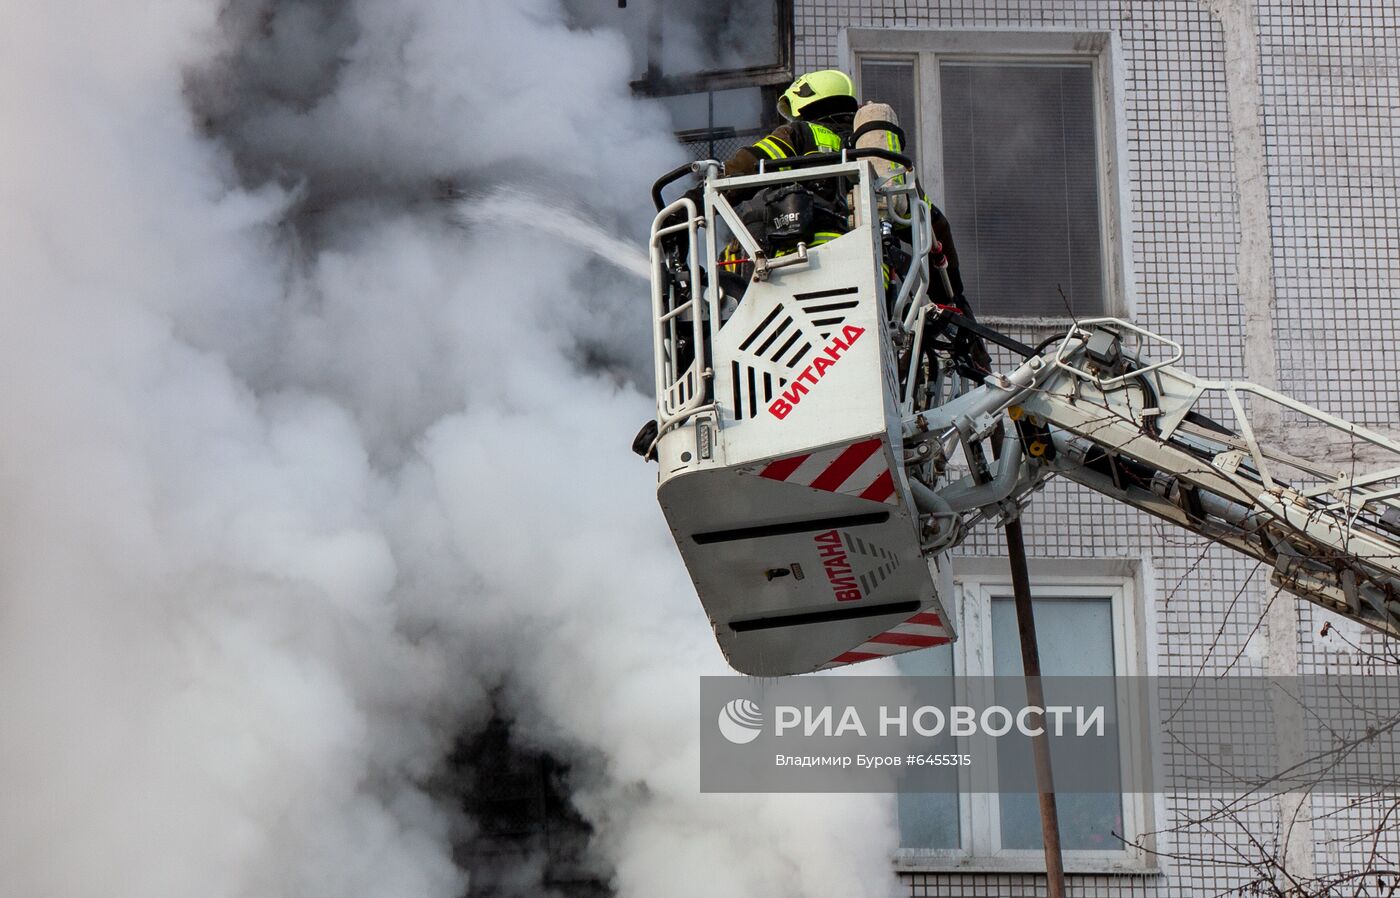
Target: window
{"x": 1075, "y": 636}
{"x": 681, "y": 48}
{"x": 715, "y": 124}
{"x": 1020, "y": 175}
{"x": 717, "y": 68}
{"x": 1015, "y": 135}
{"x": 893, "y": 81}
{"x": 1086, "y": 626}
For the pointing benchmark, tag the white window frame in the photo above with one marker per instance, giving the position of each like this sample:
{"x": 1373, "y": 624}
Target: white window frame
{"x": 976, "y": 582}
{"x": 1101, "y": 49}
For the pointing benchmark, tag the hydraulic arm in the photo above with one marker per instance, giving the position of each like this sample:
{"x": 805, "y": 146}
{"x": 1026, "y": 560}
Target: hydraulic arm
{"x": 1094, "y": 408}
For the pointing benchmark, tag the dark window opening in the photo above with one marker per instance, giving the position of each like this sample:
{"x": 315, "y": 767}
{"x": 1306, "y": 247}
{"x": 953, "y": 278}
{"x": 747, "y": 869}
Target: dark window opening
{"x": 715, "y": 124}
{"x": 687, "y": 47}
{"x": 521, "y": 822}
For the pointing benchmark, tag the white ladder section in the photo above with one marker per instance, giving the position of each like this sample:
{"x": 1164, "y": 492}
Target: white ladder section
{"x": 1097, "y": 409}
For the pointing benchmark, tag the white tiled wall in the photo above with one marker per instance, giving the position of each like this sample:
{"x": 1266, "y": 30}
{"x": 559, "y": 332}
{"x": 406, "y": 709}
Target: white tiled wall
{"x": 1331, "y": 81}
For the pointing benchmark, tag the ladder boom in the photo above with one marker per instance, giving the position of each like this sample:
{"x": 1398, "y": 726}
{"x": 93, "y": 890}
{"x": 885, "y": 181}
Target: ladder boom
{"x": 1095, "y": 409}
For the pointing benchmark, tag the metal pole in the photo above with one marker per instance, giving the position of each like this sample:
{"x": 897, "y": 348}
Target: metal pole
{"x": 710, "y": 120}
{"x": 1035, "y": 696}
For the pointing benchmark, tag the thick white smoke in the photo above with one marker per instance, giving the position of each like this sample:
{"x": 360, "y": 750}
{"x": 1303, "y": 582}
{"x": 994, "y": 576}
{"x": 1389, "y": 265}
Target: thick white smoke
{"x": 298, "y": 475}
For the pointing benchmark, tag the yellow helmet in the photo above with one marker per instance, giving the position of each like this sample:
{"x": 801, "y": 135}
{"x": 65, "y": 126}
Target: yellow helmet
{"x": 818, "y": 87}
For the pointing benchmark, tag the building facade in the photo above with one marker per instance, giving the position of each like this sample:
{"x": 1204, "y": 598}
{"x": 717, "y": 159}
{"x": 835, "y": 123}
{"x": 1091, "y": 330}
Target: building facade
{"x": 1226, "y": 173}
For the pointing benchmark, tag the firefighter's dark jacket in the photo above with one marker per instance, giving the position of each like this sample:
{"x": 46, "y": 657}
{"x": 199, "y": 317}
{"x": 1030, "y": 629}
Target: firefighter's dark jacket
{"x": 797, "y": 138}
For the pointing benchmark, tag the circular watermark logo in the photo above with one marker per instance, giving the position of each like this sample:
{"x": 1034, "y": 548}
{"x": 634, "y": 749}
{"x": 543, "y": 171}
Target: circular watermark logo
{"x": 741, "y": 721}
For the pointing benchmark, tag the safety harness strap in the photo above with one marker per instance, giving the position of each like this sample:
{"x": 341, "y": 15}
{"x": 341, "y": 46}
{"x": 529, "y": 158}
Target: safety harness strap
{"x": 896, "y": 132}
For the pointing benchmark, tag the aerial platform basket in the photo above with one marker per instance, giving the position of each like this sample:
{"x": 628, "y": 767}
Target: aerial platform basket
{"x": 782, "y": 470}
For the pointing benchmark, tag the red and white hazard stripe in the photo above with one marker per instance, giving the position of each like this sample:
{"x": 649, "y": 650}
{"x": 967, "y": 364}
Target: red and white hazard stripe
{"x": 858, "y": 469}
{"x": 921, "y": 631}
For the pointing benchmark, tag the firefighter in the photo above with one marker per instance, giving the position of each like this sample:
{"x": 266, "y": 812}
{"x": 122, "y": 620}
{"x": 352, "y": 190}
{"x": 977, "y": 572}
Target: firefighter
{"x": 820, "y": 109}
